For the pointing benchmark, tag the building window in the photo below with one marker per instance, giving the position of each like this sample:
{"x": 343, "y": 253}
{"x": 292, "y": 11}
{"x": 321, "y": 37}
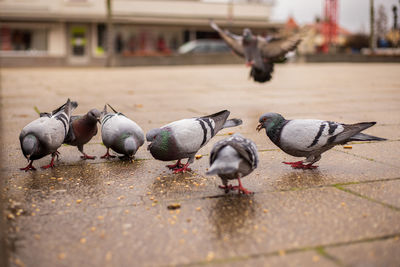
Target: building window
{"x": 22, "y": 39}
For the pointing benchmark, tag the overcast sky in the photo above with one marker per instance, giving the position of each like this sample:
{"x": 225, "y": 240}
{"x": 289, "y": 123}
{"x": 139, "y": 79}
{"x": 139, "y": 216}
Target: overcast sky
{"x": 353, "y": 14}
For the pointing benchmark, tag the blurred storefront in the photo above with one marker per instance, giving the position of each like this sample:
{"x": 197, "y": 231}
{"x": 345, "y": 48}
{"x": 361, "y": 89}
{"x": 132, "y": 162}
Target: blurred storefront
{"x": 73, "y": 32}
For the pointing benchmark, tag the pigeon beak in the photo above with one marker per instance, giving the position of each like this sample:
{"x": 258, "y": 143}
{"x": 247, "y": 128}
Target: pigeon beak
{"x": 259, "y": 127}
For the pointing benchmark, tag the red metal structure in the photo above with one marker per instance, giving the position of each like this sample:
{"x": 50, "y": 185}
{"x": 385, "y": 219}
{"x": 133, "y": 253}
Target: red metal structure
{"x": 330, "y": 26}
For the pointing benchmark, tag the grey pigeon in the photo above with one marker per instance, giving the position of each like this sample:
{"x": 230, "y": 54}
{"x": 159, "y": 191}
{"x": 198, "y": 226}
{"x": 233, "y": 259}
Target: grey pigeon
{"x": 82, "y": 129}
{"x": 182, "y": 139}
{"x": 46, "y": 134}
{"x": 233, "y": 158}
{"x": 260, "y": 53}
{"x": 310, "y": 138}
{"x": 120, "y": 133}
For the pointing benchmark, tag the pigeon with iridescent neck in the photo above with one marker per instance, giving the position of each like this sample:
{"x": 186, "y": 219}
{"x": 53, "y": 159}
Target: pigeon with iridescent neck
{"x": 120, "y": 133}
{"x": 182, "y": 139}
{"x": 233, "y": 158}
{"x": 46, "y": 134}
{"x": 310, "y": 138}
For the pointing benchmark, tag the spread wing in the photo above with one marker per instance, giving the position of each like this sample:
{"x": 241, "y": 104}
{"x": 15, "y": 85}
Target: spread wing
{"x": 278, "y": 47}
{"x": 233, "y": 41}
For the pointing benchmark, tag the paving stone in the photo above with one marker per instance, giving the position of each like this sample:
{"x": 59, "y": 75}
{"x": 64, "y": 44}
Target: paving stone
{"x": 374, "y": 253}
{"x": 386, "y": 192}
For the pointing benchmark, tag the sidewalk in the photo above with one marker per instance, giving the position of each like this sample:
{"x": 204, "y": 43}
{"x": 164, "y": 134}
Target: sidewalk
{"x": 114, "y": 213}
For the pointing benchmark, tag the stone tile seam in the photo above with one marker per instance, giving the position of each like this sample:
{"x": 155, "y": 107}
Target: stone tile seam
{"x": 392, "y": 207}
{"x": 317, "y": 249}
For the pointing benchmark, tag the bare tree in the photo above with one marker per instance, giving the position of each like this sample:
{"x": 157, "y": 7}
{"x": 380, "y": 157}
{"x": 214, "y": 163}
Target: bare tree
{"x": 381, "y": 22}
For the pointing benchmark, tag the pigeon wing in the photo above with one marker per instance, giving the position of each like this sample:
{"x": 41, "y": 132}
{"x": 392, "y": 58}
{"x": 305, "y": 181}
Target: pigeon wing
{"x": 310, "y": 135}
{"x": 232, "y": 40}
{"x": 279, "y": 47}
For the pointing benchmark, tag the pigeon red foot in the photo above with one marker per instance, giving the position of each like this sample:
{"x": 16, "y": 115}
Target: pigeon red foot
{"x": 177, "y": 165}
{"x": 242, "y": 189}
{"x": 29, "y": 167}
{"x": 51, "y": 165}
{"x": 183, "y": 169}
{"x": 300, "y": 165}
{"x": 107, "y": 155}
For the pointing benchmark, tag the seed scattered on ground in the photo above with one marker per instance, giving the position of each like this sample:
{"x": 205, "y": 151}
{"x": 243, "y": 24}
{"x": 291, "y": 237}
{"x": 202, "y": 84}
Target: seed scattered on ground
{"x": 347, "y": 147}
{"x": 108, "y": 256}
{"x": 282, "y": 253}
{"x": 174, "y": 206}
{"x": 78, "y": 201}
{"x": 198, "y": 208}
{"x": 210, "y": 256}
{"x": 100, "y": 217}
{"x": 61, "y": 256}
{"x": 265, "y": 211}
{"x": 199, "y": 156}
{"x": 315, "y": 258}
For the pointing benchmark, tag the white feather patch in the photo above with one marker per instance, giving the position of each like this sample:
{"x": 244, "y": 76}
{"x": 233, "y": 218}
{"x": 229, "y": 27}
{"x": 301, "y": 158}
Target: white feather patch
{"x": 301, "y": 134}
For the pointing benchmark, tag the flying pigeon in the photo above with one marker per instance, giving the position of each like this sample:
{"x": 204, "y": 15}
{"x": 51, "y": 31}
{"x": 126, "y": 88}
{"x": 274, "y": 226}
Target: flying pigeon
{"x": 233, "y": 158}
{"x": 310, "y": 138}
{"x": 260, "y": 53}
{"x": 120, "y": 134}
{"x": 46, "y": 134}
{"x": 82, "y": 129}
{"x": 182, "y": 139}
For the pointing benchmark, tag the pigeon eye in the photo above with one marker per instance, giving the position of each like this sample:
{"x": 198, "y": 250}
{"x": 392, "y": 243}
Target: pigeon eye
{"x": 264, "y": 119}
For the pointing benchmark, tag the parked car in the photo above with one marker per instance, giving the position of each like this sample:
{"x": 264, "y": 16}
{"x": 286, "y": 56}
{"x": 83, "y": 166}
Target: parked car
{"x": 204, "y": 46}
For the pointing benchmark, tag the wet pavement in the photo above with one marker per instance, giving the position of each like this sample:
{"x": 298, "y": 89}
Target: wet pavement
{"x": 115, "y": 213}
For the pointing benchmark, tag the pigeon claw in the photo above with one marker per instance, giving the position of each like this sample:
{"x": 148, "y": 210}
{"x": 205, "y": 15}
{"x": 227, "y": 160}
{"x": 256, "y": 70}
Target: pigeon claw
{"x": 183, "y": 169}
{"x": 177, "y": 165}
{"x": 301, "y": 165}
{"x": 107, "y": 155}
{"x": 51, "y": 165}
{"x": 244, "y": 191}
{"x": 29, "y": 167}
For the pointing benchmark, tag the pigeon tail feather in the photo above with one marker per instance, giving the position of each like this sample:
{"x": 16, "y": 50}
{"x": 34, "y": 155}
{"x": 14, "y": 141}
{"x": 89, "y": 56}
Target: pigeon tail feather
{"x": 222, "y": 167}
{"x": 232, "y": 123}
{"x": 366, "y": 137}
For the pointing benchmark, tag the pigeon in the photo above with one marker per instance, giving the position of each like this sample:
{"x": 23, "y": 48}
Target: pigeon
{"x": 260, "y": 53}
{"x": 233, "y": 158}
{"x": 182, "y": 139}
{"x": 46, "y": 134}
{"x": 120, "y": 134}
{"x": 310, "y": 138}
{"x": 82, "y": 129}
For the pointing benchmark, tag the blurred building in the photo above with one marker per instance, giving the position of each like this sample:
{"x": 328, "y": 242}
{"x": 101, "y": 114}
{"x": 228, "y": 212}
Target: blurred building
{"x": 73, "y": 32}
{"x": 313, "y": 42}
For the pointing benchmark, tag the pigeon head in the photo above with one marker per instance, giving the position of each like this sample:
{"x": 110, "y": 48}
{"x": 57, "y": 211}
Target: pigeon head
{"x": 94, "y": 114}
{"x": 29, "y": 145}
{"x": 247, "y": 35}
{"x": 269, "y": 120}
{"x": 130, "y": 146}
{"x": 152, "y": 134}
